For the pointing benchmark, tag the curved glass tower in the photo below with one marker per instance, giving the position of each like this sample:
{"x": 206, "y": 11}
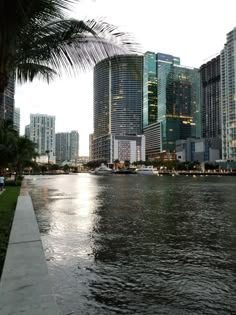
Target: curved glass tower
{"x": 118, "y": 97}
{"x": 118, "y": 85}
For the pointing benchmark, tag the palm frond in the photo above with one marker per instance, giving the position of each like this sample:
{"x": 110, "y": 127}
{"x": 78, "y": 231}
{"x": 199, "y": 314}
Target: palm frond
{"x": 28, "y": 71}
{"x": 71, "y": 44}
{"x": 37, "y": 40}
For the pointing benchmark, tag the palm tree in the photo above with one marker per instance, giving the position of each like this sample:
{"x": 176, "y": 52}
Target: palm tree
{"x": 37, "y": 39}
{"x": 8, "y": 143}
{"x": 26, "y": 151}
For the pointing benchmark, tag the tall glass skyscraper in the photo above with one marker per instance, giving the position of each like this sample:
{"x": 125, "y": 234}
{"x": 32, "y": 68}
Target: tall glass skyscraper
{"x": 172, "y": 98}
{"x": 118, "y": 97}
{"x": 16, "y": 119}
{"x": 7, "y": 101}
{"x": 180, "y": 115}
{"x": 149, "y": 89}
{"x": 210, "y": 98}
{"x": 228, "y": 97}
{"x": 67, "y": 146}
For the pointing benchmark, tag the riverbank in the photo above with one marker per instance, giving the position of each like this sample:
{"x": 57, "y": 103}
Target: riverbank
{"x": 25, "y": 286}
{"x": 196, "y": 173}
{"x": 8, "y": 200}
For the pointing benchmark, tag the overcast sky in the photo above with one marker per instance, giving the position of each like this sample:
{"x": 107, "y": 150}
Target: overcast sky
{"x": 193, "y": 30}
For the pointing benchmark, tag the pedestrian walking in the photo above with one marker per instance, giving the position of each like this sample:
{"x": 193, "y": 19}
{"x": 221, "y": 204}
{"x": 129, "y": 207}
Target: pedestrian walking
{"x": 2, "y": 179}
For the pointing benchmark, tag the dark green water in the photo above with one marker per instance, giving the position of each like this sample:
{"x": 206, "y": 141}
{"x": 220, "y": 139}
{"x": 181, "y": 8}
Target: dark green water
{"x": 130, "y": 244}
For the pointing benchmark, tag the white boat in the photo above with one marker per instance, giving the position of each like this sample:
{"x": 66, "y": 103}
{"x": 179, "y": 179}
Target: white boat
{"x": 146, "y": 170}
{"x": 103, "y": 170}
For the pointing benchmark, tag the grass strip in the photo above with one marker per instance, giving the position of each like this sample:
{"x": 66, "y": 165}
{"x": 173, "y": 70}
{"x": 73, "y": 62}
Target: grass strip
{"x": 8, "y": 200}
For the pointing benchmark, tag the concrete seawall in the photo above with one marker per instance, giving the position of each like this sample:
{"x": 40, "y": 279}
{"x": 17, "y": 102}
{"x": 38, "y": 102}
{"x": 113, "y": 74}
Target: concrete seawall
{"x": 25, "y": 286}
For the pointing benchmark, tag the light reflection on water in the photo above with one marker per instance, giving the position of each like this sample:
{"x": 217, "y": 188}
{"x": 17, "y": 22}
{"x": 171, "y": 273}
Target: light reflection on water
{"x": 139, "y": 244}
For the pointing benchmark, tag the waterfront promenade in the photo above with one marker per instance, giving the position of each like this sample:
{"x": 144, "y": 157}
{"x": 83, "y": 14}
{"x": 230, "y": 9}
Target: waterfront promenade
{"x": 25, "y": 286}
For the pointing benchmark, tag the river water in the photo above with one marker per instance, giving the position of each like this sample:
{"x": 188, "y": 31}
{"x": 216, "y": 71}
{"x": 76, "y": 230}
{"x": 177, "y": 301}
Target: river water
{"x": 132, "y": 244}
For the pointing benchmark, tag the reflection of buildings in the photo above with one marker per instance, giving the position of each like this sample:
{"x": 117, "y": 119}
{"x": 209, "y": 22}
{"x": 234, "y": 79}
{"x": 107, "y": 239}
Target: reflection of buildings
{"x": 42, "y": 132}
{"x": 171, "y": 98}
{"x": 118, "y": 90}
{"x": 7, "y": 101}
{"x": 67, "y": 146}
{"x": 16, "y": 119}
{"x": 228, "y": 96}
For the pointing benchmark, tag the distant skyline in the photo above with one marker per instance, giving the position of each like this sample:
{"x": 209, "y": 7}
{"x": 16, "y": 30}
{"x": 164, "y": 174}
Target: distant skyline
{"x": 195, "y": 31}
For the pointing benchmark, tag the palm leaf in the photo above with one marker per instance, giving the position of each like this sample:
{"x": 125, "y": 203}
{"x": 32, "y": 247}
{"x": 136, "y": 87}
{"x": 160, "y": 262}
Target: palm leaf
{"x": 40, "y": 41}
{"x": 70, "y": 44}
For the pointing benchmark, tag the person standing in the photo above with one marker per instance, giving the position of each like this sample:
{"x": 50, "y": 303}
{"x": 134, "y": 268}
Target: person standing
{"x": 1, "y": 182}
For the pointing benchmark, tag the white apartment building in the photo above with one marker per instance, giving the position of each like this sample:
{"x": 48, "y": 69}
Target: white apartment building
{"x": 42, "y": 132}
{"x": 228, "y": 97}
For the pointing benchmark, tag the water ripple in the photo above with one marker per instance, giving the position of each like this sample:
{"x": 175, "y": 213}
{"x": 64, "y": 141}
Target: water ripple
{"x": 139, "y": 245}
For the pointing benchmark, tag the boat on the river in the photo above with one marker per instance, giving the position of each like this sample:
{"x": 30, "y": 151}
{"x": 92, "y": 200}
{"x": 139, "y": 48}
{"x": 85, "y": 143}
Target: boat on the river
{"x": 146, "y": 170}
{"x": 102, "y": 170}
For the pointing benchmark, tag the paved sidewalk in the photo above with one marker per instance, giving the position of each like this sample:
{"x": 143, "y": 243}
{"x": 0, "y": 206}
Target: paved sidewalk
{"x": 25, "y": 286}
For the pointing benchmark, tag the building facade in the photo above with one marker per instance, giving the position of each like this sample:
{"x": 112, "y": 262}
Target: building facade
{"x": 7, "y": 102}
{"x": 201, "y": 150}
{"x": 210, "y": 99}
{"x": 42, "y": 133}
{"x": 118, "y": 97}
{"x": 74, "y": 146}
{"x": 91, "y": 155}
{"x": 27, "y": 131}
{"x": 67, "y": 147}
{"x": 228, "y": 97}
{"x": 128, "y": 148}
{"x": 156, "y": 69}
{"x": 153, "y": 140}
{"x": 172, "y": 98}
{"x": 16, "y": 119}
{"x": 62, "y": 147}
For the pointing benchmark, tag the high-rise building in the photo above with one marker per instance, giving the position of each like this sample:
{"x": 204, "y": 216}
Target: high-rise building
{"x": 198, "y": 149}
{"x": 156, "y": 68}
{"x": 210, "y": 98}
{"x": 228, "y": 97}
{"x": 74, "y": 146}
{"x": 7, "y": 101}
{"x": 62, "y": 147}
{"x": 16, "y": 119}
{"x": 91, "y": 157}
{"x": 42, "y": 133}
{"x": 171, "y": 98}
{"x": 118, "y": 94}
{"x": 67, "y": 146}
{"x": 27, "y": 131}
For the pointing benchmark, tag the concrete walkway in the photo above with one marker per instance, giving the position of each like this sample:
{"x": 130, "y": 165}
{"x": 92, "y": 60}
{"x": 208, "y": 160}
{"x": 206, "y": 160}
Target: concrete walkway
{"x": 25, "y": 286}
